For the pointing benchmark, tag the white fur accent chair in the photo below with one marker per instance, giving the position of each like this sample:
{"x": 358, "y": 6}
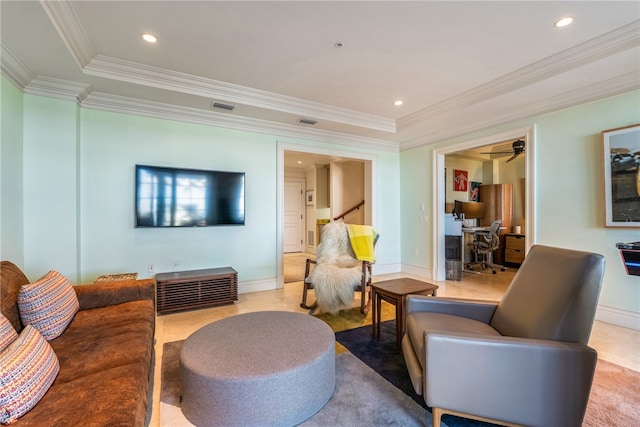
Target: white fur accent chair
{"x": 336, "y": 273}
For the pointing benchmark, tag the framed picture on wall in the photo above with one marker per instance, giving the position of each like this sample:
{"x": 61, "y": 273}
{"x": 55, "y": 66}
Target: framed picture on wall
{"x": 622, "y": 176}
{"x": 474, "y": 191}
{"x": 309, "y": 197}
{"x": 460, "y": 180}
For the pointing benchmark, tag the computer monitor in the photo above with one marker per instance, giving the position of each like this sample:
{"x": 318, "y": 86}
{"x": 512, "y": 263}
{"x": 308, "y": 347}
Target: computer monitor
{"x": 473, "y": 210}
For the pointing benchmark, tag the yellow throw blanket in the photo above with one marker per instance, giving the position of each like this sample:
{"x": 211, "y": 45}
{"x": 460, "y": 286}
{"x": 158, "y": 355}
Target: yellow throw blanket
{"x": 363, "y": 239}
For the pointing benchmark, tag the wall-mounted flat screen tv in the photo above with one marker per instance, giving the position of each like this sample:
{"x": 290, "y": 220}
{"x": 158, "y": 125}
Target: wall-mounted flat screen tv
{"x": 175, "y": 197}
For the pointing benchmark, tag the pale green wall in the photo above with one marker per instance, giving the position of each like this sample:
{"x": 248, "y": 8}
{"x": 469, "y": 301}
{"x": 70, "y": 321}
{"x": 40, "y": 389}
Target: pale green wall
{"x": 570, "y": 206}
{"x": 112, "y": 144}
{"x": 11, "y": 186}
{"x": 77, "y": 199}
{"x": 416, "y": 194}
{"x": 569, "y": 190}
{"x": 50, "y": 169}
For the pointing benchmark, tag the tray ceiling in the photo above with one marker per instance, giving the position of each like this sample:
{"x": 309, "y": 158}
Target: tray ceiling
{"x": 457, "y": 66}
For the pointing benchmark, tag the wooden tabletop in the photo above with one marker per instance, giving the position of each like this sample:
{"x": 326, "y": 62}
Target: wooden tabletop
{"x": 404, "y": 286}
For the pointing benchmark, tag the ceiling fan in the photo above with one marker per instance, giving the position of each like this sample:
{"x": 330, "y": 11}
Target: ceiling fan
{"x": 517, "y": 149}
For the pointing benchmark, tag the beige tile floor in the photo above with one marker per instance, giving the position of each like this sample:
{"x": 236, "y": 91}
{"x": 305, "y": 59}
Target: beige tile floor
{"x": 613, "y": 343}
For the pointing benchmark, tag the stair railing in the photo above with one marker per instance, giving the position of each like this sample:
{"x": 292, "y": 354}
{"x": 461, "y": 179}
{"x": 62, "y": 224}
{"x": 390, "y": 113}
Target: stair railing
{"x": 348, "y": 211}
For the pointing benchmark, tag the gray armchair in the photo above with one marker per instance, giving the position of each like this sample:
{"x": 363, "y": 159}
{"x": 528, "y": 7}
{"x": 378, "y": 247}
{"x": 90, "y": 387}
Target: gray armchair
{"x": 522, "y": 361}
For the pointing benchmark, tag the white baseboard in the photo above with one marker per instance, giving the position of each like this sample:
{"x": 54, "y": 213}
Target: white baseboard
{"x": 381, "y": 269}
{"x": 257, "y": 286}
{"x": 420, "y": 272}
{"x": 616, "y": 316}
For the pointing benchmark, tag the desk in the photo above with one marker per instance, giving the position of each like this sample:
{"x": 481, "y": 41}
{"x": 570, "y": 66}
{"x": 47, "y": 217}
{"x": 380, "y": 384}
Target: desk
{"x": 395, "y": 292}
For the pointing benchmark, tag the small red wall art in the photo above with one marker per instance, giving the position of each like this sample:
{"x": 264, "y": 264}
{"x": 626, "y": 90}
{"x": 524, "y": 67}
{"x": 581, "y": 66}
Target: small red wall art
{"x": 460, "y": 180}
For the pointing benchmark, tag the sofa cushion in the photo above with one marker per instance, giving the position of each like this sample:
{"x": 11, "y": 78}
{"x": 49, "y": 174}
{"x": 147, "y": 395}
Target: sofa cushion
{"x": 48, "y": 304}
{"x": 420, "y": 323}
{"x": 106, "y": 337}
{"x": 7, "y": 333}
{"x": 114, "y": 397}
{"x": 28, "y": 367}
{"x": 108, "y": 321}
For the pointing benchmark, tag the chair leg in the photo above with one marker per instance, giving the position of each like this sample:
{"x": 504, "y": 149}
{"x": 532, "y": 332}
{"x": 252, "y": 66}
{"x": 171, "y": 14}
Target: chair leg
{"x": 303, "y": 304}
{"x": 365, "y": 306}
{"x": 365, "y": 288}
{"x": 439, "y": 412}
{"x": 306, "y": 286}
{"x": 486, "y": 261}
{"x": 436, "y": 415}
{"x": 489, "y": 262}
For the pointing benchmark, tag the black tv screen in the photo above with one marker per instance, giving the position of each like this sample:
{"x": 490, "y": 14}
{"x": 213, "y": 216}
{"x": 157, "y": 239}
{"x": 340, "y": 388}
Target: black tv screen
{"x": 175, "y": 197}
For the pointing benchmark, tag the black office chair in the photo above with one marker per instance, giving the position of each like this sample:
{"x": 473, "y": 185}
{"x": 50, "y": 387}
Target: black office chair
{"x": 483, "y": 245}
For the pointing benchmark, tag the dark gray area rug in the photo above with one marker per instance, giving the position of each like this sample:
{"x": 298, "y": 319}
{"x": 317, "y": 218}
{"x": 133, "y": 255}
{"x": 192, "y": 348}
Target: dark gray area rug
{"x": 362, "y": 397}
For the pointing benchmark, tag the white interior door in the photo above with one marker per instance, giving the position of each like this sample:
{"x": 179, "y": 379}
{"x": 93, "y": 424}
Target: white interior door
{"x": 293, "y": 216}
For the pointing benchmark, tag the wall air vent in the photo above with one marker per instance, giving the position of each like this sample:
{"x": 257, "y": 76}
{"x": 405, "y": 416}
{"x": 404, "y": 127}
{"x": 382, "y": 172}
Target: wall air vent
{"x": 307, "y": 121}
{"x": 223, "y": 106}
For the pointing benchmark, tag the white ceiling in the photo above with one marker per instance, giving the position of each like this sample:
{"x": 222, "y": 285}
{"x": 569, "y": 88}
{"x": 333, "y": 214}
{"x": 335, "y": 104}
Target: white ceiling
{"x": 458, "y": 66}
{"x": 299, "y": 160}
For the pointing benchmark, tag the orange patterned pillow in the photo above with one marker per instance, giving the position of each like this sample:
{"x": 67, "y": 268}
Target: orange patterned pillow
{"x": 7, "y": 333}
{"x": 28, "y": 367}
{"x": 48, "y": 304}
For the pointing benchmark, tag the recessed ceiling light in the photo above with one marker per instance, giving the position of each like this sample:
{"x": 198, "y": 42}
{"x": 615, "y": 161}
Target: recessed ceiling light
{"x": 398, "y": 103}
{"x": 563, "y": 22}
{"x": 149, "y": 38}
{"x": 299, "y": 162}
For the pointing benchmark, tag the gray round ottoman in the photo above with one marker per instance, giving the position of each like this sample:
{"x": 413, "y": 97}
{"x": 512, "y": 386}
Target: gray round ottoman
{"x": 267, "y": 368}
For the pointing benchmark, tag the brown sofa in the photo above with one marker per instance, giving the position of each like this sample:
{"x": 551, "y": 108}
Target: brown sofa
{"x": 105, "y": 354}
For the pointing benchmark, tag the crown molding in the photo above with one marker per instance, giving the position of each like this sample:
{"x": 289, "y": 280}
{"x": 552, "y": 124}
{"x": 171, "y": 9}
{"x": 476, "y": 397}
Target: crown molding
{"x": 65, "y": 19}
{"x": 618, "y": 40}
{"x": 18, "y": 73}
{"x": 161, "y": 78}
{"x": 442, "y": 120}
{"x": 13, "y": 69}
{"x": 57, "y": 88}
{"x": 459, "y": 125}
{"x": 158, "y": 110}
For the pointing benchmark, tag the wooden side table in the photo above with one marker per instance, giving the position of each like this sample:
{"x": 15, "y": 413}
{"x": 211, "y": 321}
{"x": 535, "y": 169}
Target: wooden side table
{"x": 395, "y": 292}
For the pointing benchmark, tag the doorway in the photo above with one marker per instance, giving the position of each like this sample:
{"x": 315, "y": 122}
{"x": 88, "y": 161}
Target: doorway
{"x": 322, "y": 156}
{"x": 439, "y": 190}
